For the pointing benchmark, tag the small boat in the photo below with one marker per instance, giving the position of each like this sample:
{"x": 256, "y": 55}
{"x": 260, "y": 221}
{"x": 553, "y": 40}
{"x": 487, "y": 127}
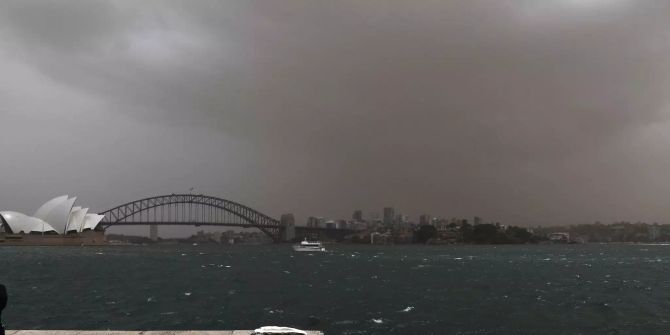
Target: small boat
{"x": 309, "y": 246}
{"x": 267, "y": 330}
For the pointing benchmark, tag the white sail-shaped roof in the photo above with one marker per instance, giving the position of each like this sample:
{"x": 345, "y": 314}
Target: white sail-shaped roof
{"x": 74, "y": 209}
{"x": 91, "y": 221}
{"x": 41, "y": 226}
{"x": 45, "y": 209}
{"x": 59, "y": 216}
{"x": 19, "y": 222}
{"x": 56, "y": 215}
{"x": 76, "y": 222}
{"x": 69, "y": 221}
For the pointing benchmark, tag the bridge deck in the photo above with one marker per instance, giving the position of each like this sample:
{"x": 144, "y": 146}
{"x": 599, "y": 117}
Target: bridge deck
{"x": 186, "y": 223}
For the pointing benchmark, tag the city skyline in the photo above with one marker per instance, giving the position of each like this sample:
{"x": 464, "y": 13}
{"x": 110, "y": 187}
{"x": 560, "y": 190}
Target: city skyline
{"x": 532, "y": 113}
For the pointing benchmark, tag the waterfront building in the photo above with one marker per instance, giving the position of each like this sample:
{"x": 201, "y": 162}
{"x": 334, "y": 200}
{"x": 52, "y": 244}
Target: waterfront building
{"x": 57, "y": 216}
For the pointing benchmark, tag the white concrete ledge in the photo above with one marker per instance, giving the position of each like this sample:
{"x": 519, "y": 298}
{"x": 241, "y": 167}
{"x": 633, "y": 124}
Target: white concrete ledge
{"x": 124, "y": 332}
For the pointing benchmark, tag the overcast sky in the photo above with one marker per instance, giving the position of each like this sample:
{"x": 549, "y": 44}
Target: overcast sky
{"x": 525, "y": 112}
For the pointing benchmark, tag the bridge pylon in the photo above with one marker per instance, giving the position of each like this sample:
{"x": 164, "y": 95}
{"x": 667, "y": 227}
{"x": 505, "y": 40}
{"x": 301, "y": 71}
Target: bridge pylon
{"x": 287, "y": 227}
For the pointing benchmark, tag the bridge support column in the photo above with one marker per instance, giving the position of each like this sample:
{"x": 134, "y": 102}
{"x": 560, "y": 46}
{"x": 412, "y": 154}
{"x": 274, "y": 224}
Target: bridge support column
{"x": 153, "y": 232}
{"x": 287, "y": 228}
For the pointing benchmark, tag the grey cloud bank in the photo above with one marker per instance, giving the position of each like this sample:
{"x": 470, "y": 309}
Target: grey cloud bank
{"x": 524, "y": 111}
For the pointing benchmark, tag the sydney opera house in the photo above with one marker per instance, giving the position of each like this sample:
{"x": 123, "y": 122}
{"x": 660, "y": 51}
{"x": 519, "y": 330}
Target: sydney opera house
{"x": 57, "y": 222}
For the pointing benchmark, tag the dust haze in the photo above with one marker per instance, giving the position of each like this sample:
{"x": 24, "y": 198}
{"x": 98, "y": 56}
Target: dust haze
{"x": 523, "y": 112}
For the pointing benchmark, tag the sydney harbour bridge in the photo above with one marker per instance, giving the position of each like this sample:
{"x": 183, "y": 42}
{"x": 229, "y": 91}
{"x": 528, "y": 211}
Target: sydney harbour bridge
{"x": 202, "y": 210}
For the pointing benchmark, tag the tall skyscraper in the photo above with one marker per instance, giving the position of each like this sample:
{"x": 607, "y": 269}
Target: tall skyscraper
{"x": 424, "y": 219}
{"x": 389, "y": 215}
{"x": 357, "y": 216}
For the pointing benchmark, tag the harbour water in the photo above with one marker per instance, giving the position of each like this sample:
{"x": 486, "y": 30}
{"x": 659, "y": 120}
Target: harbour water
{"x": 530, "y": 289}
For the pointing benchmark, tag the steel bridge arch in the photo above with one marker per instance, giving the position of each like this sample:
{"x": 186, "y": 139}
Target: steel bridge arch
{"x": 121, "y": 214}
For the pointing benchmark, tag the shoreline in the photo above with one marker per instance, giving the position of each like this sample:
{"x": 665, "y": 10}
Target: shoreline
{"x": 137, "y": 332}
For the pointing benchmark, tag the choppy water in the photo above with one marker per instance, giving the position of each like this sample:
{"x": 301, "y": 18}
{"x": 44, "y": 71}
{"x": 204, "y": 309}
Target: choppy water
{"x": 561, "y": 289}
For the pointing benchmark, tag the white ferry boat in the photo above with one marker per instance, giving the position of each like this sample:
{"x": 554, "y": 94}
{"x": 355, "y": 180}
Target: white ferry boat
{"x": 309, "y": 246}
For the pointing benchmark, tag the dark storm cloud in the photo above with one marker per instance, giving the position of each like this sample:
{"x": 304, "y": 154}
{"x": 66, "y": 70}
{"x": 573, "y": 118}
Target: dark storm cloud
{"x": 524, "y": 111}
